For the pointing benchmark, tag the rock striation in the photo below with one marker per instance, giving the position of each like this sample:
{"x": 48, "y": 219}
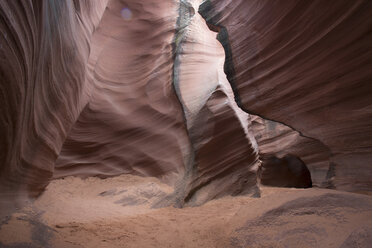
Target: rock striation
{"x": 44, "y": 48}
{"x": 133, "y": 121}
{"x": 155, "y": 89}
{"x": 104, "y": 88}
{"x": 277, "y": 140}
{"x": 306, "y": 64}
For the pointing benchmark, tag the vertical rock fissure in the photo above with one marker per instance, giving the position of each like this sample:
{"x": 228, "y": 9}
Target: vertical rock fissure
{"x": 184, "y": 16}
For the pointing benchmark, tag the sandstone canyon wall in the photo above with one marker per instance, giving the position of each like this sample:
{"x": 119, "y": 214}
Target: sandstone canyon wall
{"x": 103, "y": 88}
{"x": 307, "y": 65}
{"x": 133, "y": 121}
{"x": 123, "y": 87}
{"x": 276, "y": 139}
{"x": 44, "y": 47}
{"x": 225, "y": 158}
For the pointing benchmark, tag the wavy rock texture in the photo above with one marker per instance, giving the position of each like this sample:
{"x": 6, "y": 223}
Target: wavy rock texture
{"x": 122, "y": 88}
{"x": 83, "y": 104}
{"x": 276, "y": 139}
{"x": 133, "y": 122}
{"x": 226, "y": 160}
{"x": 103, "y": 88}
{"x": 225, "y": 156}
{"x": 306, "y": 64}
{"x": 44, "y": 47}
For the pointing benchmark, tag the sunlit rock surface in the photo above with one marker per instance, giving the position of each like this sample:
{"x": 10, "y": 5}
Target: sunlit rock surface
{"x": 225, "y": 158}
{"x": 306, "y": 64}
{"x": 103, "y": 88}
{"x": 133, "y": 121}
{"x": 88, "y": 92}
{"x": 116, "y": 113}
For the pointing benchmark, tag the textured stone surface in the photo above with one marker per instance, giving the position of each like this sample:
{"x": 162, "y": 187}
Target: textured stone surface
{"x": 133, "y": 122}
{"x": 224, "y": 156}
{"x": 44, "y": 47}
{"x": 225, "y": 161}
{"x": 103, "y": 88}
{"x": 276, "y": 139}
{"x": 306, "y": 64}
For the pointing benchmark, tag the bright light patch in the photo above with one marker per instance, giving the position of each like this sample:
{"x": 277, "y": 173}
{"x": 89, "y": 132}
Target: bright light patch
{"x": 126, "y": 14}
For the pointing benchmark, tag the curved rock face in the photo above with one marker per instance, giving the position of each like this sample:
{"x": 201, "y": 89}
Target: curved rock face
{"x": 306, "y": 64}
{"x": 77, "y": 104}
{"x": 225, "y": 159}
{"x": 133, "y": 122}
{"x": 276, "y": 139}
{"x": 44, "y": 47}
{"x": 103, "y": 88}
{"x": 224, "y": 156}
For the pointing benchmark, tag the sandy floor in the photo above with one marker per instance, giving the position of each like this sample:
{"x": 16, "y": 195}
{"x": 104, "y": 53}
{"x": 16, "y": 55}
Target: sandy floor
{"x": 116, "y": 212}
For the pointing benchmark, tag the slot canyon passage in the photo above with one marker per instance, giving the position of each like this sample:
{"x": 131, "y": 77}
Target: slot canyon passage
{"x": 186, "y": 123}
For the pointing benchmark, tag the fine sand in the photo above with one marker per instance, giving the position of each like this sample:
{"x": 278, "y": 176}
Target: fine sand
{"x": 116, "y": 212}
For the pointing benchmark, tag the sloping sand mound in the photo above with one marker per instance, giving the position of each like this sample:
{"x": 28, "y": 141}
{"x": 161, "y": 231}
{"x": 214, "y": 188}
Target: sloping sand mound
{"x": 116, "y": 212}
